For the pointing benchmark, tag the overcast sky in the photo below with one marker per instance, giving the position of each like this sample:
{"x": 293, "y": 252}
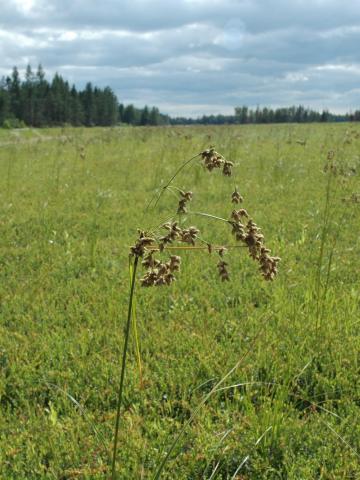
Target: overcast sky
{"x": 191, "y": 57}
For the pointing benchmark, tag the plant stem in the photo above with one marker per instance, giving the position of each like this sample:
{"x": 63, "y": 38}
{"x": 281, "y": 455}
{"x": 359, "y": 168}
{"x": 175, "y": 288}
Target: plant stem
{"x": 196, "y": 247}
{"x": 170, "y": 181}
{"x": 324, "y": 233}
{"x": 134, "y": 322}
{"x": 123, "y": 365}
{"x": 208, "y": 215}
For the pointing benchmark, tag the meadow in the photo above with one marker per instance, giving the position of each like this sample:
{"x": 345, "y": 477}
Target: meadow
{"x": 71, "y": 201}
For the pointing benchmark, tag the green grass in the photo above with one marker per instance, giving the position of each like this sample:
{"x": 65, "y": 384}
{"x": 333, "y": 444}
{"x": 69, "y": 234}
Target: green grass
{"x": 70, "y": 203}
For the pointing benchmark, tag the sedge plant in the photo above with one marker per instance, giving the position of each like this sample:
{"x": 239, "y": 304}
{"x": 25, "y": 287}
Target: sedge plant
{"x": 158, "y": 252}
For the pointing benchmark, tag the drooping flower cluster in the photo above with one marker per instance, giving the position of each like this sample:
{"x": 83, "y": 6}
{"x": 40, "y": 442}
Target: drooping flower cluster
{"x": 222, "y": 266}
{"x": 238, "y": 228}
{"x": 236, "y": 197}
{"x": 213, "y": 159}
{"x": 173, "y": 233}
{"x": 159, "y": 273}
{"x": 189, "y": 235}
{"x": 185, "y": 198}
{"x": 185, "y": 235}
{"x": 268, "y": 264}
{"x": 223, "y": 272}
{"x": 250, "y": 234}
{"x": 139, "y": 248}
{"x": 227, "y": 168}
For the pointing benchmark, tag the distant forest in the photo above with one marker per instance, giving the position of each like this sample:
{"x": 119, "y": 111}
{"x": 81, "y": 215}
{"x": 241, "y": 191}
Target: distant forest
{"x": 36, "y": 102}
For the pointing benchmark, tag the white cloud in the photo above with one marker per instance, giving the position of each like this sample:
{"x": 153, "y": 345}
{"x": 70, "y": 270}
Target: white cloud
{"x": 296, "y": 77}
{"x": 201, "y": 54}
{"x": 351, "y": 69}
{"x": 68, "y": 36}
{"x": 24, "y": 6}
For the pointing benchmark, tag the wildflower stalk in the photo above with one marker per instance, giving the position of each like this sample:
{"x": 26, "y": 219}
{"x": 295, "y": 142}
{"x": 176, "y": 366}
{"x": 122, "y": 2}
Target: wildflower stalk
{"x": 197, "y": 247}
{"x": 150, "y": 247}
{"x": 324, "y": 233}
{"x": 171, "y": 180}
{"x": 136, "y": 336}
{"x": 208, "y": 215}
{"x": 123, "y": 365}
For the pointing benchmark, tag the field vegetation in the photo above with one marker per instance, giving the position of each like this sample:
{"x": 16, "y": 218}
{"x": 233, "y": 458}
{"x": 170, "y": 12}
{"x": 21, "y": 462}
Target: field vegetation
{"x": 71, "y": 201}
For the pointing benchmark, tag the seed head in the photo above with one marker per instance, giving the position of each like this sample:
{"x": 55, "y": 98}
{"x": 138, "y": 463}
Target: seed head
{"x": 182, "y": 206}
{"x": 227, "y": 168}
{"x": 138, "y": 249}
{"x": 189, "y": 235}
{"x": 212, "y": 159}
{"x": 238, "y": 214}
{"x": 268, "y": 264}
{"x": 160, "y": 273}
{"x": 173, "y": 233}
{"x": 223, "y": 271}
{"x": 187, "y": 195}
{"x": 236, "y": 197}
{"x": 174, "y": 264}
{"x": 185, "y": 198}
{"x": 252, "y": 237}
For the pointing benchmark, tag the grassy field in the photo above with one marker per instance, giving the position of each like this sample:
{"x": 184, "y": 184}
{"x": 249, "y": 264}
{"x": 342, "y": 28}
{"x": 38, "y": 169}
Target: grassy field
{"x": 71, "y": 201}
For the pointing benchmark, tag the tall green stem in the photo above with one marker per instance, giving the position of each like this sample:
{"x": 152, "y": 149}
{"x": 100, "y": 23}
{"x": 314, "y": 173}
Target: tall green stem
{"x": 170, "y": 181}
{"x": 123, "y": 365}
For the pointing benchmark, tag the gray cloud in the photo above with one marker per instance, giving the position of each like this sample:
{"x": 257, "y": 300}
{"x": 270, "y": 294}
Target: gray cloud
{"x": 193, "y": 56}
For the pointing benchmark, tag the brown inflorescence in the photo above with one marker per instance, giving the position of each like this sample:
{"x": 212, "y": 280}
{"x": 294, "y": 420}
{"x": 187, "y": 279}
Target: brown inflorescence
{"x": 185, "y": 198}
{"x": 268, "y": 264}
{"x": 173, "y": 233}
{"x": 245, "y": 230}
{"x": 227, "y": 168}
{"x": 236, "y": 197}
{"x": 139, "y": 248}
{"x": 223, "y": 271}
{"x": 189, "y": 235}
{"x": 222, "y": 265}
{"x": 238, "y": 228}
{"x": 250, "y": 234}
{"x": 186, "y": 235}
{"x": 161, "y": 273}
{"x": 213, "y": 159}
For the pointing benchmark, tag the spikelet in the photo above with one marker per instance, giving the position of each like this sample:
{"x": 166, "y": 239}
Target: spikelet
{"x": 236, "y": 197}
{"x": 185, "y": 198}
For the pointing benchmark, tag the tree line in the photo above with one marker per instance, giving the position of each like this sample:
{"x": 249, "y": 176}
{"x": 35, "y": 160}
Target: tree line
{"x": 246, "y": 115}
{"x": 36, "y": 102}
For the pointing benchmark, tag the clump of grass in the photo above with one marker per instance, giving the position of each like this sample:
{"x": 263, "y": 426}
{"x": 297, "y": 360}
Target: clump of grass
{"x": 151, "y": 246}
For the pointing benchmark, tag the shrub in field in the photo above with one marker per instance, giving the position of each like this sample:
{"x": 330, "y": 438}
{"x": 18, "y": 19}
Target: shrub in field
{"x": 13, "y": 123}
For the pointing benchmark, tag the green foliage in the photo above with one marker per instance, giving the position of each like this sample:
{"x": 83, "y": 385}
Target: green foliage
{"x": 70, "y": 203}
{"x": 246, "y": 115}
{"x": 10, "y": 123}
{"x": 38, "y": 103}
